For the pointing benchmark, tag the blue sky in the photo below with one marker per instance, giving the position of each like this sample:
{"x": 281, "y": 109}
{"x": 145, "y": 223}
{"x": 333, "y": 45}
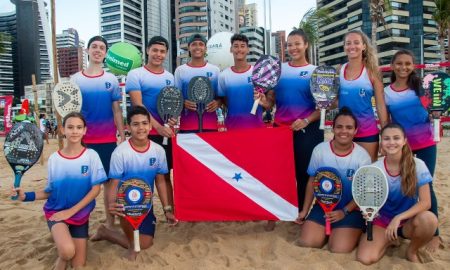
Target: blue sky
{"x": 83, "y": 15}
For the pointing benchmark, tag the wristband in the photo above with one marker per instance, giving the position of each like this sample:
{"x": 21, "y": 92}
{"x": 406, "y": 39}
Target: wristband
{"x": 306, "y": 120}
{"x": 167, "y": 209}
{"x": 30, "y": 196}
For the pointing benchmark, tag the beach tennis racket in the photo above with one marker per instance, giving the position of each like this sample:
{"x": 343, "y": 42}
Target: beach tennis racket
{"x": 436, "y": 97}
{"x": 327, "y": 187}
{"x": 169, "y": 105}
{"x": 324, "y": 86}
{"x": 265, "y": 76}
{"x": 200, "y": 91}
{"x": 67, "y": 98}
{"x": 136, "y": 197}
{"x": 370, "y": 190}
{"x": 23, "y": 147}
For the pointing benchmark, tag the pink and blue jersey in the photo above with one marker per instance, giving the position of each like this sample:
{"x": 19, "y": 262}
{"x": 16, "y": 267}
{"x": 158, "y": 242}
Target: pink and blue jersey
{"x": 357, "y": 95}
{"x": 183, "y": 75}
{"x": 292, "y": 94}
{"x": 149, "y": 84}
{"x": 237, "y": 88}
{"x": 99, "y": 93}
{"x": 397, "y": 202}
{"x": 70, "y": 180}
{"x": 324, "y": 156}
{"x": 406, "y": 110}
{"x": 128, "y": 162}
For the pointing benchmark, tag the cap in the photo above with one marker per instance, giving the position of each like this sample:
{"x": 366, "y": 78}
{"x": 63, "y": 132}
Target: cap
{"x": 196, "y": 37}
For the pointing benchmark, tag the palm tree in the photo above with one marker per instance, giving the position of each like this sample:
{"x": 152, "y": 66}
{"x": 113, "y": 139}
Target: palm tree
{"x": 3, "y": 37}
{"x": 377, "y": 7}
{"x": 442, "y": 18}
{"x": 310, "y": 23}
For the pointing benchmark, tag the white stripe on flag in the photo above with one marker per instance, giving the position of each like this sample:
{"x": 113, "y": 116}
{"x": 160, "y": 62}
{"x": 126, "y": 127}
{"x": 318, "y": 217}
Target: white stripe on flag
{"x": 248, "y": 184}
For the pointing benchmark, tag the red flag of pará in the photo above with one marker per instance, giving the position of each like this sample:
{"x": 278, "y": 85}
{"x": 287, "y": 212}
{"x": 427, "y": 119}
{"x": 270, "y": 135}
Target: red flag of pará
{"x": 235, "y": 176}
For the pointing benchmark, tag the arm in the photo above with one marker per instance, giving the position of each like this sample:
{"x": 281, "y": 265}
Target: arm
{"x": 114, "y": 208}
{"x": 39, "y": 195}
{"x": 266, "y": 100}
{"x": 302, "y": 123}
{"x": 161, "y": 186}
{"x": 68, "y": 213}
{"x": 118, "y": 119}
{"x": 309, "y": 197}
{"x": 213, "y": 105}
{"x": 423, "y": 204}
{"x": 379, "y": 101}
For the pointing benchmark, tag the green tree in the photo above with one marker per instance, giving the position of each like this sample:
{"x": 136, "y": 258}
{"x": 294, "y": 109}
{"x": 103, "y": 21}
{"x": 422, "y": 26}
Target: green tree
{"x": 377, "y": 7}
{"x": 442, "y": 17}
{"x": 310, "y": 23}
{"x": 3, "y": 38}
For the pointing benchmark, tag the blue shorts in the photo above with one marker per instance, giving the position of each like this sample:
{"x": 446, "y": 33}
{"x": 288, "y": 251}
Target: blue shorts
{"x": 76, "y": 231}
{"x": 368, "y": 139}
{"x": 104, "y": 150}
{"x": 354, "y": 219}
{"x": 148, "y": 225}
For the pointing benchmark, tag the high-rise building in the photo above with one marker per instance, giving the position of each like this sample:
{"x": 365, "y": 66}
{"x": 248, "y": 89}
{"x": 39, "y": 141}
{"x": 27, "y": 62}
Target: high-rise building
{"x": 409, "y": 23}
{"x": 70, "y": 52}
{"x": 122, "y": 20}
{"x": 255, "y": 37}
{"x": 8, "y": 59}
{"x": 279, "y": 45}
{"x": 34, "y": 54}
{"x": 205, "y": 17}
{"x": 250, "y": 15}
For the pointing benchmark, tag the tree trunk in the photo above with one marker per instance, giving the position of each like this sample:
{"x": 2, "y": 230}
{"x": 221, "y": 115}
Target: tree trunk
{"x": 442, "y": 45}
{"x": 374, "y": 34}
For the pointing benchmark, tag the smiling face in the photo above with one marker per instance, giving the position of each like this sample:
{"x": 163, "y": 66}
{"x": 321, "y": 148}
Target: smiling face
{"x": 74, "y": 129}
{"x": 239, "y": 49}
{"x": 403, "y": 66}
{"x": 140, "y": 127}
{"x": 197, "y": 49}
{"x": 97, "y": 52}
{"x": 156, "y": 54}
{"x": 344, "y": 130}
{"x": 392, "y": 141}
{"x": 296, "y": 47}
{"x": 354, "y": 45}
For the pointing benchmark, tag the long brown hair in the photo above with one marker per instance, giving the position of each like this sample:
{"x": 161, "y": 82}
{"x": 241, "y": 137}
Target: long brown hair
{"x": 407, "y": 164}
{"x": 75, "y": 115}
{"x": 302, "y": 34}
{"x": 413, "y": 78}
{"x": 369, "y": 55}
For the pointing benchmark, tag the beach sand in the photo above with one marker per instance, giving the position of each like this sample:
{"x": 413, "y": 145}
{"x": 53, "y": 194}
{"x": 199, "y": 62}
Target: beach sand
{"x": 25, "y": 242}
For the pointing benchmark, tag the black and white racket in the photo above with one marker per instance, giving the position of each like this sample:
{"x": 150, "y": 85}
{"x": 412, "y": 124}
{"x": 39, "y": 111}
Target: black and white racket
{"x": 169, "y": 105}
{"x": 23, "y": 147}
{"x": 265, "y": 76}
{"x": 200, "y": 91}
{"x": 67, "y": 98}
{"x": 324, "y": 86}
{"x": 370, "y": 190}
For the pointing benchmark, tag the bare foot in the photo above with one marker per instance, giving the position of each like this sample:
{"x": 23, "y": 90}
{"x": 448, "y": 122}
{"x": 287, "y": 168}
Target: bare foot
{"x": 434, "y": 244}
{"x": 270, "y": 226}
{"x": 130, "y": 255}
{"x": 412, "y": 256}
{"x": 100, "y": 235}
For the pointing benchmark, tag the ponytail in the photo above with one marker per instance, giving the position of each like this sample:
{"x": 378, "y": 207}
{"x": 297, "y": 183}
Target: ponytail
{"x": 408, "y": 172}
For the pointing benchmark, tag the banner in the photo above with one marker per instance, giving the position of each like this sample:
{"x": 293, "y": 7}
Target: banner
{"x": 5, "y": 114}
{"x": 235, "y": 176}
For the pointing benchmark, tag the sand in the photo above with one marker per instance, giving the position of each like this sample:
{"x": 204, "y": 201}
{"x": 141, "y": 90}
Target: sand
{"x": 25, "y": 242}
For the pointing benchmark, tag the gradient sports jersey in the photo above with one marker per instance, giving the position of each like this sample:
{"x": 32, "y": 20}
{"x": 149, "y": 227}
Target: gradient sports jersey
{"x": 405, "y": 109}
{"x": 292, "y": 94}
{"x": 150, "y": 84}
{"x": 396, "y": 202}
{"x": 127, "y": 162}
{"x": 324, "y": 156}
{"x": 357, "y": 95}
{"x": 237, "y": 87}
{"x": 99, "y": 93}
{"x": 70, "y": 180}
{"x": 183, "y": 75}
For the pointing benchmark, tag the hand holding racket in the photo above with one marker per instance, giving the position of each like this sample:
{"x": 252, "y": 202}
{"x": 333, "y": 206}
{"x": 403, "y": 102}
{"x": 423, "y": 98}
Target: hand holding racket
{"x": 436, "y": 97}
{"x": 265, "y": 76}
{"x": 324, "y": 86}
{"x": 370, "y": 190}
{"x": 200, "y": 91}
{"x": 169, "y": 105}
{"x": 136, "y": 197}
{"x": 327, "y": 186}
{"x": 67, "y": 98}
{"x": 23, "y": 147}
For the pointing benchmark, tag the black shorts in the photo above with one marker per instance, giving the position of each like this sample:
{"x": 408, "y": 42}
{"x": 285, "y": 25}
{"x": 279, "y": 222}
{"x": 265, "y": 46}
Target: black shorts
{"x": 76, "y": 231}
{"x": 167, "y": 148}
{"x": 368, "y": 139}
{"x": 104, "y": 150}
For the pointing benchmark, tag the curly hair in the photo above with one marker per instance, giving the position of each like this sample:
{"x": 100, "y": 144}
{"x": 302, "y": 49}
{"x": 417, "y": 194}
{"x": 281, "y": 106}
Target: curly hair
{"x": 369, "y": 55}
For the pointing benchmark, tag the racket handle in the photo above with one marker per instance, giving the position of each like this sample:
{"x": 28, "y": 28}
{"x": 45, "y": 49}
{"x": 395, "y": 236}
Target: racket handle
{"x": 165, "y": 139}
{"x": 327, "y": 226}
{"x": 369, "y": 231}
{"x": 255, "y": 106}
{"x": 17, "y": 178}
{"x": 437, "y": 130}
{"x": 322, "y": 119}
{"x": 137, "y": 246}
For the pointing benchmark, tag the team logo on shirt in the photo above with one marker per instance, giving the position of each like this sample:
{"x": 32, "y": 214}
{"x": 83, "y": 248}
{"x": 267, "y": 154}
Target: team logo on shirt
{"x": 152, "y": 161}
{"x": 209, "y": 74}
{"x": 168, "y": 82}
{"x": 349, "y": 174}
{"x": 303, "y": 73}
{"x": 84, "y": 170}
{"x": 108, "y": 86}
{"x": 249, "y": 79}
{"x": 362, "y": 92}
